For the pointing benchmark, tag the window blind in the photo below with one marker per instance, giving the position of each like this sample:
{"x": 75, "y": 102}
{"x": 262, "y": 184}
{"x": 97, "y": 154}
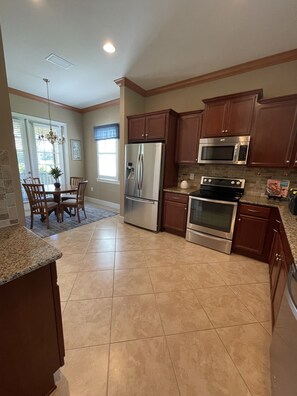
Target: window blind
{"x": 103, "y": 132}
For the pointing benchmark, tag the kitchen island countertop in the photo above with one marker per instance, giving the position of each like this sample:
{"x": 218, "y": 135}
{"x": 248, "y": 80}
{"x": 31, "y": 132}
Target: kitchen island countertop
{"x": 21, "y": 252}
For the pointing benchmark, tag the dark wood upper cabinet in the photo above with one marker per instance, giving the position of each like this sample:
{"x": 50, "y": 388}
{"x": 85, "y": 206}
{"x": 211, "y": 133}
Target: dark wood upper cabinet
{"x": 274, "y": 133}
{"x": 230, "y": 115}
{"x": 159, "y": 126}
{"x": 188, "y": 134}
{"x": 150, "y": 127}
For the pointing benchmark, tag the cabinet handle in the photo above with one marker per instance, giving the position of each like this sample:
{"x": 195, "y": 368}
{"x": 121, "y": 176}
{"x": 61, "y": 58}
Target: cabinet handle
{"x": 185, "y": 209}
{"x": 278, "y": 221}
{"x": 146, "y": 134}
{"x": 275, "y": 230}
{"x": 239, "y": 219}
{"x": 296, "y": 162}
{"x": 287, "y": 162}
{"x": 226, "y": 130}
{"x": 253, "y": 210}
{"x": 142, "y": 134}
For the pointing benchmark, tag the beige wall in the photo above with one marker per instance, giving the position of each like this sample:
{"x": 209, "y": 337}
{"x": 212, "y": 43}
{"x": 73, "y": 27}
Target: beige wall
{"x": 130, "y": 103}
{"x": 7, "y": 145}
{"x": 73, "y": 120}
{"x": 109, "y": 192}
{"x": 276, "y": 80}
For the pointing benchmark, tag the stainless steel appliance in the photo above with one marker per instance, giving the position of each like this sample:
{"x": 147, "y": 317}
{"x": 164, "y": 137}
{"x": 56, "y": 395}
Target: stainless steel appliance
{"x": 212, "y": 212}
{"x": 283, "y": 349}
{"x": 228, "y": 150}
{"x": 144, "y": 164}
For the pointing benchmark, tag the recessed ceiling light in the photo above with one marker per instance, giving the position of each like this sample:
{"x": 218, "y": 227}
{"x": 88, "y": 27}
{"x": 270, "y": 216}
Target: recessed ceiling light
{"x": 109, "y": 47}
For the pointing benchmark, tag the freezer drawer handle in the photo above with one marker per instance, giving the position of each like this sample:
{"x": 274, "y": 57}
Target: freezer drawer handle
{"x": 141, "y": 200}
{"x": 289, "y": 294}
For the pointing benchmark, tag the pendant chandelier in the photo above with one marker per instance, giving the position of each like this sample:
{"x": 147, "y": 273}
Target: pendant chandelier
{"x": 51, "y": 136}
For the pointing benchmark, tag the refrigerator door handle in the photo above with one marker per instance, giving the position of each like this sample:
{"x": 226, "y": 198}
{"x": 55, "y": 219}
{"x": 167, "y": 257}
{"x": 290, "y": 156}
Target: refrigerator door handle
{"x": 289, "y": 294}
{"x": 138, "y": 171}
{"x": 141, "y": 200}
{"x": 142, "y": 165}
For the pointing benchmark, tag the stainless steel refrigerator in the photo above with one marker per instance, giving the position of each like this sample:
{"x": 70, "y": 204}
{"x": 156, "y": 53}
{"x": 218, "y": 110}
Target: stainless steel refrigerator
{"x": 144, "y": 166}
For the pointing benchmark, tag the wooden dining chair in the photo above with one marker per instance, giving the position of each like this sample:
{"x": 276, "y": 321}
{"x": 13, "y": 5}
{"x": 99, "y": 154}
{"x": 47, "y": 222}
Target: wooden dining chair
{"x": 74, "y": 180}
{"x": 77, "y": 203}
{"x": 39, "y": 203}
{"x": 32, "y": 180}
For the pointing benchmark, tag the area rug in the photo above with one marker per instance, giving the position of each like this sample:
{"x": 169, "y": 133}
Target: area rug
{"x": 69, "y": 223}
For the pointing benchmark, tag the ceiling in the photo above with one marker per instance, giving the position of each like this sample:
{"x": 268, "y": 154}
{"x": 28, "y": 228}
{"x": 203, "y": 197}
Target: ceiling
{"x": 157, "y": 42}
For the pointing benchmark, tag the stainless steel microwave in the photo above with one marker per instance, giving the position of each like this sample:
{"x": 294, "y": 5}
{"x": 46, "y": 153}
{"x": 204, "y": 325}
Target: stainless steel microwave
{"x": 228, "y": 150}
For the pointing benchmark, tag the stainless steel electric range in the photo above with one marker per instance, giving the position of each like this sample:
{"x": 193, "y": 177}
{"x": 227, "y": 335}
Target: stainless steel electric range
{"x": 212, "y": 212}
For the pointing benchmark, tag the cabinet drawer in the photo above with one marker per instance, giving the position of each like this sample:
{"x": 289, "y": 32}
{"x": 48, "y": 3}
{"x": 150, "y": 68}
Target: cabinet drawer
{"x": 175, "y": 197}
{"x": 255, "y": 210}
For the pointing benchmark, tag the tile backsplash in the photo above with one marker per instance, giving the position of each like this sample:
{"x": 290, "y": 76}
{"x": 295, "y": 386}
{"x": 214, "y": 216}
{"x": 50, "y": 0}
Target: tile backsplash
{"x": 256, "y": 178}
{"x": 8, "y": 209}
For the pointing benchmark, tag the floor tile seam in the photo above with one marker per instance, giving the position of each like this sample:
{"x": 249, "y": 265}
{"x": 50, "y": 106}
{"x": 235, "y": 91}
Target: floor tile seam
{"x": 242, "y": 302}
{"x": 235, "y": 365}
{"x": 87, "y": 346}
{"x": 91, "y": 299}
{"x": 252, "y": 277}
{"x": 110, "y": 330}
{"x": 203, "y": 309}
{"x": 261, "y": 323}
{"x": 71, "y": 287}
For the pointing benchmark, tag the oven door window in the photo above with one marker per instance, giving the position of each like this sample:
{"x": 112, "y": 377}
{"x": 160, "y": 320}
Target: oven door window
{"x": 213, "y": 217}
{"x": 218, "y": 153}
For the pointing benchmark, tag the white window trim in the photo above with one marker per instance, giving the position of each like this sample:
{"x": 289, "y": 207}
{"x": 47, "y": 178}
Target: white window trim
{"x": 106, "y": 179}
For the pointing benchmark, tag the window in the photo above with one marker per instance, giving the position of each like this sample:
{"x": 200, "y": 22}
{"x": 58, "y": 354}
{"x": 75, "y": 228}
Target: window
{"x": 107, "y": 139}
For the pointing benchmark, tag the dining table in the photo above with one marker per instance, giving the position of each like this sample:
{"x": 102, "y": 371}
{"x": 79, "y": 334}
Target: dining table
{"x": 57, "y": 192}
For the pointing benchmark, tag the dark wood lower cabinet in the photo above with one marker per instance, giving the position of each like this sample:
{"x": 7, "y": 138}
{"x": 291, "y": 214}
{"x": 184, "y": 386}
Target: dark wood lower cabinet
{"x": 175, "y": 209}
{"x": 251, "y": 231}
{"x": 32, "y": 346}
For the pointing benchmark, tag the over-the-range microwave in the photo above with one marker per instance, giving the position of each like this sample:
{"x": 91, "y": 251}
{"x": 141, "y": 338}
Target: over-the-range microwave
{"x": 228, "y": 150}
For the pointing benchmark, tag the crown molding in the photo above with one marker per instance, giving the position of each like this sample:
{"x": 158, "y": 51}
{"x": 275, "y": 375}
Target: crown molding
{"x": 125, "y": 82}
{"x": 41, "y": 99}
{"x": 99, "y": 106}
{"x": 255, "y": 64}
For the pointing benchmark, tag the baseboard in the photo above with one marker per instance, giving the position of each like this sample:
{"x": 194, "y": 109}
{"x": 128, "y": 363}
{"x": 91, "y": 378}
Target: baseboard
{"x": 111, "y": 205}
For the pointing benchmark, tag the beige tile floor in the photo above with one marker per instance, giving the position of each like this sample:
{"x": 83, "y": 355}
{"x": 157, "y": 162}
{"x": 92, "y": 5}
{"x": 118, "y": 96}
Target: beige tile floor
{"x": 152, "y": 314}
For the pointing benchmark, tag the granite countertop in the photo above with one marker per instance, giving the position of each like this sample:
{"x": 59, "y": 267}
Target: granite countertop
{"x": 289, "y": 220}
{"x": 21, "y": 252}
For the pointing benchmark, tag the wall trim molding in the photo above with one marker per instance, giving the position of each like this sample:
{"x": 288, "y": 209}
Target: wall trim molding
{"x": 111, "y": 205}
{"x": 260, "y": 63}
{"x": 99, "y": 106}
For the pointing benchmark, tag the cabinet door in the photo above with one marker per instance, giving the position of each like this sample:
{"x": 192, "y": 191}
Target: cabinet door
{"x": 214, "y": 119}
{"x": 273, "y": 135}
{"x": 136, "y": 129}
{"x": 175, "y": 217}
{"x": 188, "y": 134}
{"x": 155, "y": 127}
{"x": 250, "y": 236}
{"x": 240, "y": 116}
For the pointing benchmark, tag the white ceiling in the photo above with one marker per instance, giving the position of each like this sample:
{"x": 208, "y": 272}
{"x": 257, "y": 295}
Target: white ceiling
{"x": 158, "y": 41}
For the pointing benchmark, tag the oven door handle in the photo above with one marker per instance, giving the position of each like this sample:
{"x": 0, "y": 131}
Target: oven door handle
{"x": 214, "y": 200}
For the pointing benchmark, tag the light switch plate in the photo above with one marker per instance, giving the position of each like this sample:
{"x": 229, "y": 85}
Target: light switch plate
{"x": 192, "y": 176}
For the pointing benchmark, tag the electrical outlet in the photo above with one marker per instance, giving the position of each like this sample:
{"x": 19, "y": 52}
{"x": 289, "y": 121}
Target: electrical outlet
{"x": 192, "y": 176}
{"x": 92, "y": 188}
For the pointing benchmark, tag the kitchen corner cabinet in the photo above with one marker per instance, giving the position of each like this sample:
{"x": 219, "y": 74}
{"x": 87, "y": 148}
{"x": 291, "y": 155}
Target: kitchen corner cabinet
{"x": 279, "y": 263}
{"x": 230, "y": 115}
{"x": 150, "y": 127}
{"x": 188, "y": 134}
{"x": 274, "y": 133}
{"x": 251, "y": 231}
{"x": 175, "y": 210}
{"x": 32, "y": 346}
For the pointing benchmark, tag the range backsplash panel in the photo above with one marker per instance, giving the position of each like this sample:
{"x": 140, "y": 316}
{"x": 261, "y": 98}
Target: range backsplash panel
{"x": 256, "y": 178}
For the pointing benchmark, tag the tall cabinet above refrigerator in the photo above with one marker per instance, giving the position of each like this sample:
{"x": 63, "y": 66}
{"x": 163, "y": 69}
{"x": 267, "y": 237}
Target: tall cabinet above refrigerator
{"x": 144, "y": 169}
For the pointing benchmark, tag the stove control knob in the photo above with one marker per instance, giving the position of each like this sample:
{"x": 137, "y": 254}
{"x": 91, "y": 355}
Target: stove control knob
{"x": 205, "y": 180}
{"x": 238, "y": 182}
{"x": 209, "y": 180}
{"x": 232, "y": 182}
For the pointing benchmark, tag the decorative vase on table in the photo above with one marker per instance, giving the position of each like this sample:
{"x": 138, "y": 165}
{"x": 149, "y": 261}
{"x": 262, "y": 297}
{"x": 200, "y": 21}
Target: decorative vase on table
{"x": 56, "y": 172}
{"x": 57, "y": 185}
